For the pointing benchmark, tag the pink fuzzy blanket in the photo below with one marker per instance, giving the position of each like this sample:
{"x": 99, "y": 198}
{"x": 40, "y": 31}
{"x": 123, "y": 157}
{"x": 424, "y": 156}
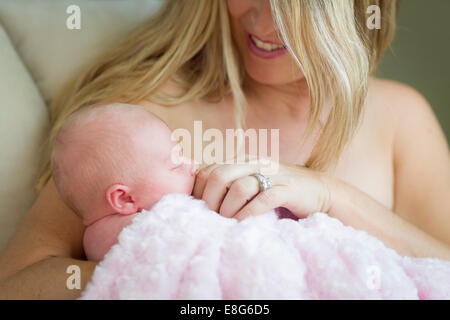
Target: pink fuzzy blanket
{"x": 182, "y": 250}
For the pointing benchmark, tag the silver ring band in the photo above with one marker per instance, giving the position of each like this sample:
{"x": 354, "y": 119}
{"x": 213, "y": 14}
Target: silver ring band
{"x": 264, "y": 182}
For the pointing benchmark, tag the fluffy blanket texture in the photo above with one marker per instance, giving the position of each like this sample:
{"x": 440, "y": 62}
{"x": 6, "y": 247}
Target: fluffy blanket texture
{"x": 182, "y": 250}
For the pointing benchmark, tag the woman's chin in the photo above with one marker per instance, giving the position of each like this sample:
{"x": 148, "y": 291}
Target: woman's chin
{"x": 269, "y": 77}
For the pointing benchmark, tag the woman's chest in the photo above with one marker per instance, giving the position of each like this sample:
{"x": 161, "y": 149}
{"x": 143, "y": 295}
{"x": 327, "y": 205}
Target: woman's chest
{"x": 366, "y": 163}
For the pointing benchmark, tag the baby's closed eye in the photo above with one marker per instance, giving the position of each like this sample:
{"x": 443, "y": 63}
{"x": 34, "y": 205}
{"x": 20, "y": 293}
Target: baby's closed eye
{"x": 177, "y": 167}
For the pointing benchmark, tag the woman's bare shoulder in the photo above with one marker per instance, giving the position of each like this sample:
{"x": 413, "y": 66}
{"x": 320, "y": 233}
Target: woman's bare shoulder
{"x": 405, "y": 114}
{"x": 394, "y": 98}
{"x": 390, "y": 103}
{"x": 421, "y": 156}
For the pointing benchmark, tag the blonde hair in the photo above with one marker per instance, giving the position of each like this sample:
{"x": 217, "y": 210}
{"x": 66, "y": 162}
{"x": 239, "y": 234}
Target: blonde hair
{"x": 189, "y": 42}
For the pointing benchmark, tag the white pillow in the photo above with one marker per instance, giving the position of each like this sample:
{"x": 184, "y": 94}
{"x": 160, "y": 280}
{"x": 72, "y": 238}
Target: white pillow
{"x": 23, "y": 127}
{"x": 52, "y": 52}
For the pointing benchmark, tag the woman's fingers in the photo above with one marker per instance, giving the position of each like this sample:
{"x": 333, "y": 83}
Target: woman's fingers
{"x": 203, "y": 174}
{"x": 274, "y": 197}
{"x": 232, "y": 191}
{"x": 220, "y": 180}
{"x": 239, "y": 194}
{"x": 200, "y": 180}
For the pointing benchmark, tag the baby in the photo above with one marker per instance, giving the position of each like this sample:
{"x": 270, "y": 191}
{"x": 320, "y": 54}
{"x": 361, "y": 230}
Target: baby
{"x": 112, "y": 161}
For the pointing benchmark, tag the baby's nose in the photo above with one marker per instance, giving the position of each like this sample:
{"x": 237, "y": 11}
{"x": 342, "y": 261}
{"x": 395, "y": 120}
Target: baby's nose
{"x": 194, "y": 167}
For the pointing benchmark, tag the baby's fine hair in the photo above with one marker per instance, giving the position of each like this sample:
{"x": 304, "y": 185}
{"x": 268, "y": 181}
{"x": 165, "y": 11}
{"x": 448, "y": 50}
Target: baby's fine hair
{"x": 91, "y": 149}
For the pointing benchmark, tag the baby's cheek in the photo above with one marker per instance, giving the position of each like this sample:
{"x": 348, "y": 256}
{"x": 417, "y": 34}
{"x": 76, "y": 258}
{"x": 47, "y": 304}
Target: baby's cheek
{"x": 176, "y": 184}
{"x": 173, "y": 182}
{"x": 183, "y": 184}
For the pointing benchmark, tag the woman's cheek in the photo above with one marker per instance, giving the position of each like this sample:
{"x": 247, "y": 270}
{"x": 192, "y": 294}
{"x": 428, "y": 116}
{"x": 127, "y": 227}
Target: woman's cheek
{"x": 238, "y": 7}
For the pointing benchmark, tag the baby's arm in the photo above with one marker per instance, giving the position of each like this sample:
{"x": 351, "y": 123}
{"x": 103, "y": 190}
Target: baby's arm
{"x": 100, "y": 236}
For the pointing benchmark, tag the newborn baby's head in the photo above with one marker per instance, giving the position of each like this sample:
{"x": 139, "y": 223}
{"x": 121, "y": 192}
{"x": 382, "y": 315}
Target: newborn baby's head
{"x": 117, "y": 159}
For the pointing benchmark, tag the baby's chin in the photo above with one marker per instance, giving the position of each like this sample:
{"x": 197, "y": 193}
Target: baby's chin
{"x": 184, "y": 186}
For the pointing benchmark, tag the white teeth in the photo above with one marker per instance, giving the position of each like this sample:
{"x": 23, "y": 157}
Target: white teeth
{"x": 266, "y": 46}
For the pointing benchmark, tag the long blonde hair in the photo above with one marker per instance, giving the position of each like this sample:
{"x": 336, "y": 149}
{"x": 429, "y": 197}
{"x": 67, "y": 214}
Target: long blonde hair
{"x": 190, "y": 42}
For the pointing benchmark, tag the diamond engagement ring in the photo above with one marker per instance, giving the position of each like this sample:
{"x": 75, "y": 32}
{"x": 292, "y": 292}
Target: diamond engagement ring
{"x": 264, "y": 182}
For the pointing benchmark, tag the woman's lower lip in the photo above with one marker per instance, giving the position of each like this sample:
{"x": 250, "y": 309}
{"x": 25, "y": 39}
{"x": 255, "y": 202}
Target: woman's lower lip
{"x": 263, "y": 54}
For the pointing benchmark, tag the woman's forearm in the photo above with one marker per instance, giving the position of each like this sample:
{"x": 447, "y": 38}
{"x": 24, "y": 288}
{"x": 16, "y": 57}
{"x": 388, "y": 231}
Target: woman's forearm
{"x": 358, "y": 210}
{"x": 50, "y": 278}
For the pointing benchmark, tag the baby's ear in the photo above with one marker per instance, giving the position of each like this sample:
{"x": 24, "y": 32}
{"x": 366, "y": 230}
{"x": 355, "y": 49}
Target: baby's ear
{"x": 121, "y": 200}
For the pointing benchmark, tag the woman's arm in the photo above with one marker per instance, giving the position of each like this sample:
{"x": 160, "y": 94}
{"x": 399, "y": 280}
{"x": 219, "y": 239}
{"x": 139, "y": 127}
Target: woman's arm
{"x": 34, "y": 263}
{"x": 419, "y": 225}
{"x": 228, "y": 188}
{"x": 420, "y": 222}
{"x": 358, "y": 210}
{"x": 46, "y": 279}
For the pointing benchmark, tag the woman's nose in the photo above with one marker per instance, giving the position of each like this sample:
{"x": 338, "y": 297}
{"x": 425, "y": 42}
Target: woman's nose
{"x": 261, "y": 18}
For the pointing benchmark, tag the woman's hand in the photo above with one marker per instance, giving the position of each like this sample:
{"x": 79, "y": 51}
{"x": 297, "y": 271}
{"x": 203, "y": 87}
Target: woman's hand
{"x": 232, "y": 191}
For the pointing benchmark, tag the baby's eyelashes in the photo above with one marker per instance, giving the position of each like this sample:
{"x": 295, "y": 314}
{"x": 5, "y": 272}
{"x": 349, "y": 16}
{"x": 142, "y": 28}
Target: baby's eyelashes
{"x": 177, "y": 167}
{"x": 188, "y": 165}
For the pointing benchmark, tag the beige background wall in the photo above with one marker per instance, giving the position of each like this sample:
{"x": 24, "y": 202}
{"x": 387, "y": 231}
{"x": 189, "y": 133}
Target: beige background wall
{"x": 420, "y": 55}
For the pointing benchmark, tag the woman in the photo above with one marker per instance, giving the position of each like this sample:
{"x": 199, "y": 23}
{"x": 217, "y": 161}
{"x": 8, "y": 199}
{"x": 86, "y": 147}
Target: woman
{"x": 368, "y": 152}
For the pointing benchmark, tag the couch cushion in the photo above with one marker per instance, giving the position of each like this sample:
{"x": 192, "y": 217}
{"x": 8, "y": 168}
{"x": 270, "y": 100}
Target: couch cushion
{"x": 52, "y": 52}
{"x": 23, "y": 127}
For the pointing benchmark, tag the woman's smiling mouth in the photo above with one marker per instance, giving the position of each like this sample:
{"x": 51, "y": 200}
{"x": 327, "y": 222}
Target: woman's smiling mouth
{"x": 264, "y": 49}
